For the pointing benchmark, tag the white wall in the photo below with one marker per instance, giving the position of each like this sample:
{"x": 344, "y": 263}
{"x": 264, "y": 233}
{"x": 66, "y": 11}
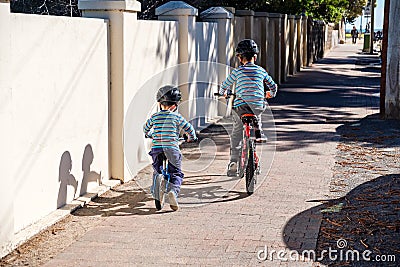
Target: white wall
{"x": 6, "y": 134}
{"x": 56, "y": 106}
{"x": 203, "y": 74}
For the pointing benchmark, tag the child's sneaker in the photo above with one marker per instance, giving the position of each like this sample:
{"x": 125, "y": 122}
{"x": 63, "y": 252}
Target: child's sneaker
{"x": 173, "y": 200}
{"x": 260, "y": 136}
{"x": 232, "y": 169}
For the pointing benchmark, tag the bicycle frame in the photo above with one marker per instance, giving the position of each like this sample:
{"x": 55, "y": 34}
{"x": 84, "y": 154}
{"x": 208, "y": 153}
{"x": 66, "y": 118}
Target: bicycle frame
{"x": 165, "y": 172}
{"x": 249, "y": 161}
{"x": 247, "y": 127}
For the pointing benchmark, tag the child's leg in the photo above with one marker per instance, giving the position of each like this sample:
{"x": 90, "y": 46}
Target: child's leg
{"x": 258, "y": 112}
{"x": 174, "y": 169}
{"x": 236, "y": 135}
{"x": 156, "y": 155}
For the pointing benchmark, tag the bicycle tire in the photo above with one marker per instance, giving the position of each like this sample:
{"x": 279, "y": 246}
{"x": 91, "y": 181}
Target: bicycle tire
{"x": 250, "y": 169}
{"x": 158, "y": 192}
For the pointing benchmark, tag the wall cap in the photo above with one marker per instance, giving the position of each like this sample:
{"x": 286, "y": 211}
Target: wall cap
{"x": 176, "y": 8}
{"x": 274, "y": 15}
{"x": 261, "y": 14}
{"x": 244, "y": 13}
{"x": 216, "y": 13}
{"x": 128, "y": 5}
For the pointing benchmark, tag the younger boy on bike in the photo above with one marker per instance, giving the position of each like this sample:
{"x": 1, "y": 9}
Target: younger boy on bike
{"x": 253, "y": 85}
{"x": 166, "y": 125}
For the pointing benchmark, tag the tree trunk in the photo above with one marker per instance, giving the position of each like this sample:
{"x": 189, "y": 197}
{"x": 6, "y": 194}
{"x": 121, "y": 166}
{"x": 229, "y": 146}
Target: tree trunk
{"x": 392, "y": 99}
{"x": 384, "y": 58}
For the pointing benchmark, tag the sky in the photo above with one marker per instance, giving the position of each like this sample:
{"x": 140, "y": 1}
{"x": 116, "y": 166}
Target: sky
{"x": 379, "y": 10}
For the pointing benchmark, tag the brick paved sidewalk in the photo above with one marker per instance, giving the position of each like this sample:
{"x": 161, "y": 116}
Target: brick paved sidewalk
{"x": 218, "y": 224}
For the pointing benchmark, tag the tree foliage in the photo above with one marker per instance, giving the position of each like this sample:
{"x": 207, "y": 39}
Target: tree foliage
{"x": 354, "y": 9}
{"x": 46, "y": 7}
{"x": 327, "y": 10}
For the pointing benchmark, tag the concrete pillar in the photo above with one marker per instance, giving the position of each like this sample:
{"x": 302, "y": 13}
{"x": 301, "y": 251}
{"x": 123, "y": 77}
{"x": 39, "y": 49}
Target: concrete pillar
{"x": 392, "y": 95}
{"x": 292, "y": 57}
{"x": 185, "y": 14}
{"x": 118, "y": 13}
{"x": 304, "y": 40}
{"x": 299, "y": 46}
{"x": 225, "y": 50}
{"x": 223, "y": 18}
{"x": 261, "y": 33}
{"x": 248, "y": 15}
{"x": 285, "y": 47}
{"x": 275, "y": 47}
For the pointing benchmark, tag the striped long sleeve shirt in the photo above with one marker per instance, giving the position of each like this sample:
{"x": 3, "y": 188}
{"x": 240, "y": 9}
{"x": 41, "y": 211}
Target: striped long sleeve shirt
{"x": 250, "y": 79}
{"x": 166, "y": 126}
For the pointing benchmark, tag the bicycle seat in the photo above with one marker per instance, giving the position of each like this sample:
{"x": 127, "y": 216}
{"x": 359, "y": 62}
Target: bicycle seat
{"x": 248, "y": 118}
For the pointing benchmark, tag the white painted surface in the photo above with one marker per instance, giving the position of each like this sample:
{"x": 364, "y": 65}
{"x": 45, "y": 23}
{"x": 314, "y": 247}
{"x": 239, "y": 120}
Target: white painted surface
{"x": 56, "y": 109}
{"x": 6, "y": 134}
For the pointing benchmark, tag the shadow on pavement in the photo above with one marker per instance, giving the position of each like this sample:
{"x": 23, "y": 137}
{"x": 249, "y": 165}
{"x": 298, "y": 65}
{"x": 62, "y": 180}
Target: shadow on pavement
{"x": 367, "y": 218}
{"x": 364, "y": 219}
{"x": 321, "y": 95}
{"x": 129, "y": 202}
{"x": 119, "y": 202}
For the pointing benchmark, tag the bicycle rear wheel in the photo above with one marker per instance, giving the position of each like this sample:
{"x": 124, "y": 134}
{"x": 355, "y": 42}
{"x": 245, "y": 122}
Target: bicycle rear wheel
{"x": 250, "y": 169}
{"x": 243, "y": 158}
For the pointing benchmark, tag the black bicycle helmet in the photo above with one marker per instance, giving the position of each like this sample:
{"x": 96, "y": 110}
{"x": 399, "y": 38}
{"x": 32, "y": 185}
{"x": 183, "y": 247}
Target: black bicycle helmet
{"x": 168, "y": 95}
{"x": 247, "y": 48}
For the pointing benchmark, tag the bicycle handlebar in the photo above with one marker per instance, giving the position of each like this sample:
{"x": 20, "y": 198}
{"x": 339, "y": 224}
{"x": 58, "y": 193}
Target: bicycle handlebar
{"x": 233, "y": 94}
{"x": 227, "y": 95}
{"x": 180, "y": 140}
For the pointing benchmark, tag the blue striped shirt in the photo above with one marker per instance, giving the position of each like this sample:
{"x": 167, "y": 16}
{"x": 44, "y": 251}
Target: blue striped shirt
{"x": 249, "y": 79}
{"x": 166, "y": 126}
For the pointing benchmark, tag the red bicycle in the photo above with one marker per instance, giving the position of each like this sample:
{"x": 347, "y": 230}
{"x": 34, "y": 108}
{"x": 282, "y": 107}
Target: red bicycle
{"x": 249, "y": 164}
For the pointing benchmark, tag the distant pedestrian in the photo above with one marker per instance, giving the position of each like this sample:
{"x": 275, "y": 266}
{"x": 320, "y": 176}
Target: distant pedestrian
{"x": 354, "y": 34}
{"x": 379, "y": 36}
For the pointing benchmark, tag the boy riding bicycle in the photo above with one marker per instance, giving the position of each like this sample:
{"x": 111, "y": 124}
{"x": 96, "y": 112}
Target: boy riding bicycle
{"x": 253, "y": 85}
{"x": 166, "y": 125}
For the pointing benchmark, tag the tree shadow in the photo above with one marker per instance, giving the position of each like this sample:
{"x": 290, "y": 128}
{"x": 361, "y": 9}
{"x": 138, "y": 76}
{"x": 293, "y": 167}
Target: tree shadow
{"x": 122, "y": 201}
{"x": 372, "y": 131}
{"x": 367, "y": 218}
{"x": 128, "y": 200}
{"x": 320, "y": 96}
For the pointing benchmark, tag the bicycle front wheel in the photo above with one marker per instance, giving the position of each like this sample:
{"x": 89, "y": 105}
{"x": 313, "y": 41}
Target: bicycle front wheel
{"x": 250, "y": 169}
{"x": 159, "y": 192}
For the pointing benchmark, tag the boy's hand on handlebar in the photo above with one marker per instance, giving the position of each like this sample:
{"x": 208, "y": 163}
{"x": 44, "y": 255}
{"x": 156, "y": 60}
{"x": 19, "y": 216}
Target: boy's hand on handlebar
{"x": 189, "y": 140}
{"x": 268, "y": 95}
